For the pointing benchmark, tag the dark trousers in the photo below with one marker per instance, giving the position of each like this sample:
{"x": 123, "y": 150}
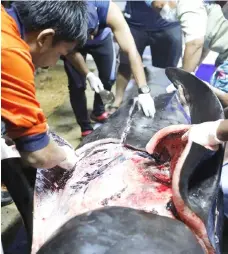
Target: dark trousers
{"x": 165, "y": 45}
{"x": 105, "y": 59}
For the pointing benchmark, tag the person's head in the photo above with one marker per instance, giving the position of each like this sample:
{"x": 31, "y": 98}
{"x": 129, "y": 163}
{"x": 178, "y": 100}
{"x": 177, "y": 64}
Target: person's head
{"x": 167, "y": 9}
{"x": 52, "y": 28}
{"x": 93, "y": 22}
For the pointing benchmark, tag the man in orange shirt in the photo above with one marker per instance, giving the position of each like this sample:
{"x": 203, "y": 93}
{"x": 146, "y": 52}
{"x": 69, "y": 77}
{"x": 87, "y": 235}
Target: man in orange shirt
{"x": 35, "y": 34}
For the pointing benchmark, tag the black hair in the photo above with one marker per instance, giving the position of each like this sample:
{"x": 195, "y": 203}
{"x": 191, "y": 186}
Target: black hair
{"x": 68, "y": 19}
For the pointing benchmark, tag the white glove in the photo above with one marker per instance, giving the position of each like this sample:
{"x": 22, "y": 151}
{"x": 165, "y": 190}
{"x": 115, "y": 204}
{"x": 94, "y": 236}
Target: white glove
{"x": 70, "y": 159}
{"x": 147, "y": 104}
{"x": 95, "y": 83}
{"x": 204, "y": 134}
{"x": 8, "y": 151}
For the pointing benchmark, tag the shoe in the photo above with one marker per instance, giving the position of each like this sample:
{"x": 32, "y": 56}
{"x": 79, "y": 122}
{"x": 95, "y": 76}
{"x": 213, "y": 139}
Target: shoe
{"x": 86, "y": 133}
{"x": 101, "y": 118}
{"x": 5, "y": 198}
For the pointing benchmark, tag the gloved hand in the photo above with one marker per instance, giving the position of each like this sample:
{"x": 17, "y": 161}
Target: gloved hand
{"x": 95, "y": 83}
{"x": 147, "y": 104}
{"x": 204, "y": 134}
{"x": 70, "y": 159}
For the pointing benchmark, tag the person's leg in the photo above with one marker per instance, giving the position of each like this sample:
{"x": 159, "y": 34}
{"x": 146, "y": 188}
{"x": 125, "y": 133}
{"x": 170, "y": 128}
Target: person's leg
{"x": 124, "y": 71}
{"x": 104, "y": 56}
{"x": 166, "y": 47}
{"x": 77, "y": 86}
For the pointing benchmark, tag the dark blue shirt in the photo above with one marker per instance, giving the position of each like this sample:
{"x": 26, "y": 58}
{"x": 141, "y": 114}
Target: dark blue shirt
{"x": 139, "y": 14}
{"x": 102, "y": 8}
{"x": 13, "y": 13}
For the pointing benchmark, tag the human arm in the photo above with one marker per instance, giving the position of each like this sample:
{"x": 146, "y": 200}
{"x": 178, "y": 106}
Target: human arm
{"x": 222, "y": 131}
{"x": 193, "y": 21}
{"x": 50, "y": 156}
{"x": 222, "y": 96}
{"x": 25, "y": 121}
{"x": 192, "y": 54}
{"x": 205, "y": 53}
{"x": 192, "y": 16}
{"x": 78, "y": 62}
{"x": 208, "y": 134}
{"x": 124, "y": 38}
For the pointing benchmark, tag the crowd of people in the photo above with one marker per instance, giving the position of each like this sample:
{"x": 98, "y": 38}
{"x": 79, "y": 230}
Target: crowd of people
{"x": 39, "y": 33}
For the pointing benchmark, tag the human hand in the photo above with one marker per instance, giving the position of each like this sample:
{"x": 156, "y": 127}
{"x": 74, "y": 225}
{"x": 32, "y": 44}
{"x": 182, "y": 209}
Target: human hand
{"x": 147, "y": 104}
{"x": 204, "y": 134}
{"x": 70, "y": 158}
{"x": 95, "y": 83}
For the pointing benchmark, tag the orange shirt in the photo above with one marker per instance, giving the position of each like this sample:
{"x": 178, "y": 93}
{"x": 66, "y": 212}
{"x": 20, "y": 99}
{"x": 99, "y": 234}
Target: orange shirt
{"x": 20, "y": 109}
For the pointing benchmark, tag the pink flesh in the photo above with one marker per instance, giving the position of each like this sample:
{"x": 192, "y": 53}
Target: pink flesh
{"x": 156, "y": 144}
{"x": 128, "y": 180}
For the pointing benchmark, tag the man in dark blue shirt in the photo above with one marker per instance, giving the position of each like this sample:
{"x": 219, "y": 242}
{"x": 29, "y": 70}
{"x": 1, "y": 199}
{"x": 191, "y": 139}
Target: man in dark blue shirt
{"x": 105, "y": 18}
{"x": 148, "y": 29}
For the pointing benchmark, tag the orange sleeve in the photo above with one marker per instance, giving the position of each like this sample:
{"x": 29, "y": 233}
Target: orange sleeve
{"x": 20, "y": 109}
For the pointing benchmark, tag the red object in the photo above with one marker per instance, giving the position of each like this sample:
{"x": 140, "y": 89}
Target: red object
{"x": 86, "y": 133}
{"x": 101, "y": 118}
